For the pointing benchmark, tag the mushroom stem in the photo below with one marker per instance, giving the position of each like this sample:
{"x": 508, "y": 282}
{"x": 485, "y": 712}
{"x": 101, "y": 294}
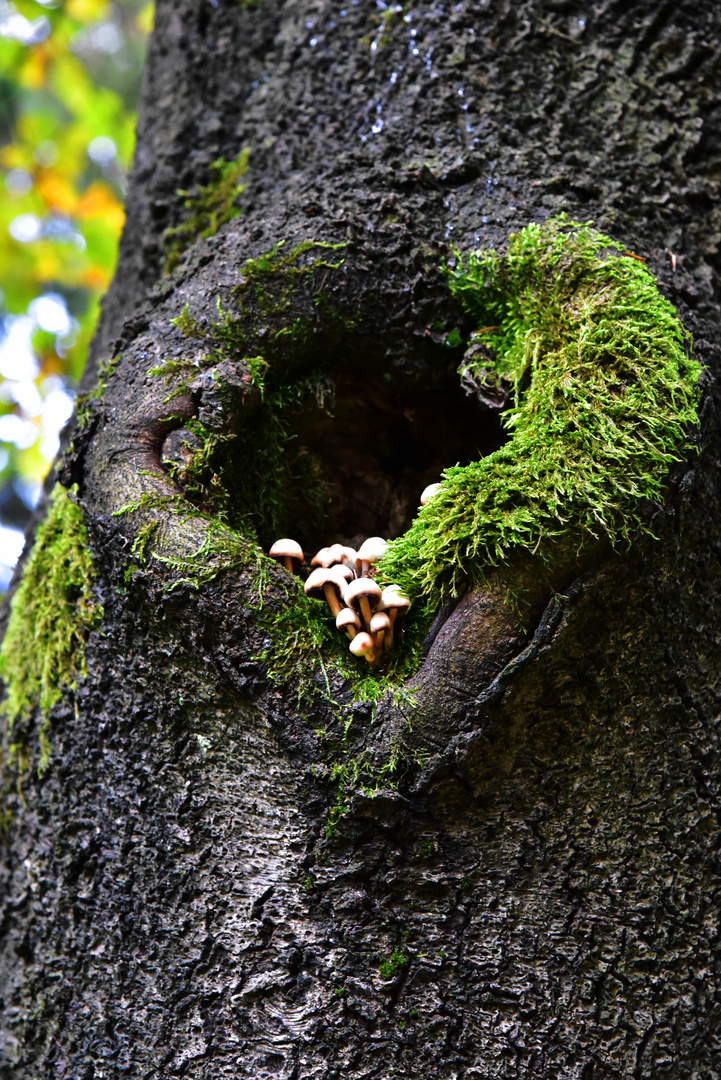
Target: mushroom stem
{"x": 288, "y": 563}
{"x": 378, "y": 639}
{"x": 392, "y": 612}
{"x": 334, "y": 602}
{"x": 366, "y": 611}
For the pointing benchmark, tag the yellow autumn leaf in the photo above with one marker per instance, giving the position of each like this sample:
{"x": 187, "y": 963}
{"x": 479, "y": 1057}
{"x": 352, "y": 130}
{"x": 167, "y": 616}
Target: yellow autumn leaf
{"x": 145, "y": 18}
{"x": 99, "y": 201}
{"x": 56, "y": 191}
{"x": 95, "y": 278}
{"x": 33, "y": 74}
{"x": 48, "y": 266}
{"x": 86, "y": 11}
{"x": 13, "y": 156}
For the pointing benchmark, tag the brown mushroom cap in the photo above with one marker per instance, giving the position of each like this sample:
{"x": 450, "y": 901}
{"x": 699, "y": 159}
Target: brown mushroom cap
{"x": 284, "y": 550}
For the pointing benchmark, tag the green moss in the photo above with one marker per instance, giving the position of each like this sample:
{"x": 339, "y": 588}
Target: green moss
{"x": 220, "y": 548}
{"x": 187, "y": 325}
{"x": 273, "y": 276}
{"x": 213, "y": 206}
{"x": 85, "y": 402}
{"x": 143, "y": 540}
{"x": 388, "y": 968}
{"x": 51, "y": 614}
{"x": 603, "y": 391}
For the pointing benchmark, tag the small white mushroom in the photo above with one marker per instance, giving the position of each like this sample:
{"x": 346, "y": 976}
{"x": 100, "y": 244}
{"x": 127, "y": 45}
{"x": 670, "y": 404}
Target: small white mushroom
{"x": 362, "y": 645}
{"x": 370, "y": 551}
{"x": 380, "y": 624}
{"x": 333, "y": 555}
{"x": 348, "y": 622}
{"x": 393, "y": 601}
{"x": 319, "y": 557}
{"x": 326, "y": 584}
{"x": 428, "y": 493}
{"x": 362, "y": 595}
{"x": 349, "y": 558}
{"x": 343, "y": 571}
{"x": 287, "y": 552}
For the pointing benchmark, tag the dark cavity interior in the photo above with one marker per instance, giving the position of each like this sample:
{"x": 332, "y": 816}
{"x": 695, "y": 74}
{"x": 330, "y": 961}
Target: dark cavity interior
{"x": 375, "y": 448}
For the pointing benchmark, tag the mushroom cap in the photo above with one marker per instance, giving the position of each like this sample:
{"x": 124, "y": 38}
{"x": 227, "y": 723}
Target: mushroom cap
{"x": 347, "y": 617}
{"x": 428, "y": 493}
{"x": 393, "y": 597}
{"x": 380, "y": 621}
{"x": 334, "y": 554}
{"x": 361, "y": 644}
{"x": 323, "y": 576}
{"x": 343, "y": 571}
{"x": 318, "y": 558}
{"x": 349, "y": 557}
{"x": 371, "y": 550}
{"x": 361, "y": 587}
{"x": 286, "y": 549}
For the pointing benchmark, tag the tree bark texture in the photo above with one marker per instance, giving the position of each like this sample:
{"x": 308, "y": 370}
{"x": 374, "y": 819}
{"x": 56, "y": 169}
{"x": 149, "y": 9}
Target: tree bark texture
{"x": 538, "y": 892}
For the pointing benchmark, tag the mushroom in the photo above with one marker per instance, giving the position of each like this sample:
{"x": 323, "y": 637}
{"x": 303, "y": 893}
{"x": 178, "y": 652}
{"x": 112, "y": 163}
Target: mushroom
{"x": 362, "y": 645}
{"x": 319, "y": 557}
{"x": 428, "y": 493}
{"x": 369, "y": 553}
{"x": 362, "y": 595}
{"x": 287, "y": 552}
{"x": 380, "y": 624}
{"x": 328, "y": 584}
{"x": 333, "y": 554}
{"x": 347, "y": 620}
{"x": 349, "y": 558}
{"x": 392, "y": 601}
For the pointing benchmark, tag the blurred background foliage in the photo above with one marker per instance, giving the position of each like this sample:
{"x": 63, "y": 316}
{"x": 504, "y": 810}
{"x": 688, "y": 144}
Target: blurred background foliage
{"x": 69, "y": 79}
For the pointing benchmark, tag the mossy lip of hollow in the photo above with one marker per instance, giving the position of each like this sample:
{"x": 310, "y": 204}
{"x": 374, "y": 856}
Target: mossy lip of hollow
{"x": 603, "y": 389}
{"x": 53, "y": 610}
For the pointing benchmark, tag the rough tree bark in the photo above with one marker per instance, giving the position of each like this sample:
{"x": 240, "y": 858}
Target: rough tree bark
{"x": 536, "y": 889}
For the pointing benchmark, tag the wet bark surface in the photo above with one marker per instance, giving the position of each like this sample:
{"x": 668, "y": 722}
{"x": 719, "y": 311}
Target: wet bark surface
{"x": 539, "y": 894}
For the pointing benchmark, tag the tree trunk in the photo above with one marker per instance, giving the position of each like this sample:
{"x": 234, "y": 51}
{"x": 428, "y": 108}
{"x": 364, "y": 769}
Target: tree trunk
{"x": 243, "y": 856}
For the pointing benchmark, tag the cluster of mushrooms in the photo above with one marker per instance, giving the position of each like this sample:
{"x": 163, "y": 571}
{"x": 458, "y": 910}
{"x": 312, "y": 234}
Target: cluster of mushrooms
{"x": 342, "y": 577}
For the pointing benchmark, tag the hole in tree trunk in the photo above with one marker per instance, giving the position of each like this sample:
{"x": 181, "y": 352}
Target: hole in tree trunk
{"x": 381, "y": 443}
{"x": 339, "y": 451}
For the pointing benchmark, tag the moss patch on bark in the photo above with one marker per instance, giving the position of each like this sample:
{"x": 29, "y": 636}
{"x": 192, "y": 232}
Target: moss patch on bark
{"x": 212, "y": 206}
{"x": 52, "y": 612}
{"x": 603, "y": 390}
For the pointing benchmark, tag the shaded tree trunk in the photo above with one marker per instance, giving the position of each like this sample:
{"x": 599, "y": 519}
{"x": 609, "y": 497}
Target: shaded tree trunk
{"x": 512, "y": 868}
